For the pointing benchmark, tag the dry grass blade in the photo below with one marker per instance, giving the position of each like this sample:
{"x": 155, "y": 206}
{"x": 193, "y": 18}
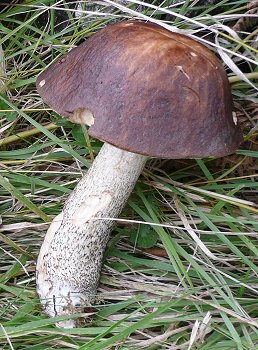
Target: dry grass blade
{"x": 192, "y": 233}
{"x": 245, "y": 22}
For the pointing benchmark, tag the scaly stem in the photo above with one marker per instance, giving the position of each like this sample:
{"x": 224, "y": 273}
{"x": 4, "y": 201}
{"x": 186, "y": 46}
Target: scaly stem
{"x": 70, "y": 258}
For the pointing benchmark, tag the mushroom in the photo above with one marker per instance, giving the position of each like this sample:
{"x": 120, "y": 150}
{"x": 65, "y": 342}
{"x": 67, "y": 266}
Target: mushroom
{"x": 145, "y": 92}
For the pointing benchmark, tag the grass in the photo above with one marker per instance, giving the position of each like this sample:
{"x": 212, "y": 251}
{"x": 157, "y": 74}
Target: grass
{"x": 194, "y": 285}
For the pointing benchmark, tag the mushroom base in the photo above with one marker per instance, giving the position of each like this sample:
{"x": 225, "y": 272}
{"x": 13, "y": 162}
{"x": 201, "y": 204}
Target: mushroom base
{"x": 70, "y": 258}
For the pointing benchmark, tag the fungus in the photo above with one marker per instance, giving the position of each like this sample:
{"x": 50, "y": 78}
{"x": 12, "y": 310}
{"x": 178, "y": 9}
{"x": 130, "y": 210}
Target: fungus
{"x": 145, "y": 92}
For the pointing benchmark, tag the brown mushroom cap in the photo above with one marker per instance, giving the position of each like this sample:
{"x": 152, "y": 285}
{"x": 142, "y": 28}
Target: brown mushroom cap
{"x": 146, "y": 90}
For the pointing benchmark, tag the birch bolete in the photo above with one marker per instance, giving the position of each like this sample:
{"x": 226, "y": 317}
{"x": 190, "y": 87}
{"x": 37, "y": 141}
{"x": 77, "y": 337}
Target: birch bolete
{"x": 145, "y": 92}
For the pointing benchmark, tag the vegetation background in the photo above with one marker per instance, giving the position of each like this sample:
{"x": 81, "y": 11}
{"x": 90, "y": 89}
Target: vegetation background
{"x": 158, "y": 289}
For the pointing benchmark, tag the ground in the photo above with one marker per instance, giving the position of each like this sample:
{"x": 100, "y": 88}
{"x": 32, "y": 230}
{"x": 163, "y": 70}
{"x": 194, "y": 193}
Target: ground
{"x": 158, "y": 289}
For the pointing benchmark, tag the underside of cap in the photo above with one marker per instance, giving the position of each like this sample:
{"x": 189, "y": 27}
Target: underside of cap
{"x": 147, "y": 90}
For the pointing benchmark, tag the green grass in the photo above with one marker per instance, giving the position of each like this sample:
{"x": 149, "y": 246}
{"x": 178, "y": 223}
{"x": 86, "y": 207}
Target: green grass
{"x": 196, "y": 287}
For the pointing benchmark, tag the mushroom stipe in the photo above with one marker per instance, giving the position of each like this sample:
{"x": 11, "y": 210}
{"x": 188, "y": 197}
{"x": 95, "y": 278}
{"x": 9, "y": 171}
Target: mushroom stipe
{"x": 145, "y": 92}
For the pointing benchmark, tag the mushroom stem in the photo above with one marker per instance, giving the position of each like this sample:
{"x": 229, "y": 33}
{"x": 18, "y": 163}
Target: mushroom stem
{"x": 70, "y": 258}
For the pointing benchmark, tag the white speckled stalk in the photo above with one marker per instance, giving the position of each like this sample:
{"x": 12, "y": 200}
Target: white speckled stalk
{"x": 70, "y": 258}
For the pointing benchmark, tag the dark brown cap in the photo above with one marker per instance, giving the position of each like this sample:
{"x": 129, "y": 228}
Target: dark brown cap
{"x": 146, "y": 90}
